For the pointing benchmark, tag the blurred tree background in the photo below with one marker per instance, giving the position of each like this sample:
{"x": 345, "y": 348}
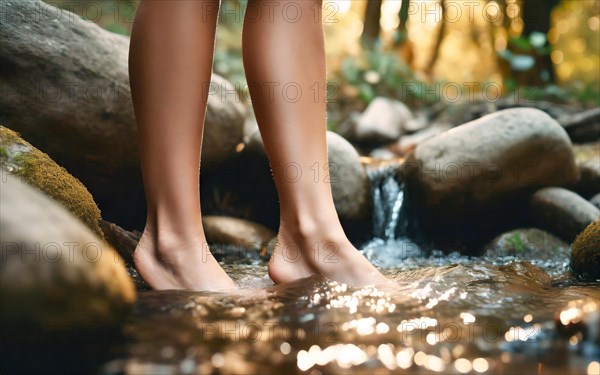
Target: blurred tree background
{"x": 426, "y": 51}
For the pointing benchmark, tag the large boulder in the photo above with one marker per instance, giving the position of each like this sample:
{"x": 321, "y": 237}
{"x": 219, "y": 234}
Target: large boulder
{"x": 475, "y": 175}
{"x": 65, "y": 87}
{"x": 585, "y": 256}
{"x": 54, "y": 270}
{"x": 20, "y": 158}
{"x": 562, "y": 212}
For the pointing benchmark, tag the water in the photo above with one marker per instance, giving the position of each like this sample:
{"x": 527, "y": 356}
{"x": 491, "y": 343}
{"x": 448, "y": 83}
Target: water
{"x": 446, "y": 313}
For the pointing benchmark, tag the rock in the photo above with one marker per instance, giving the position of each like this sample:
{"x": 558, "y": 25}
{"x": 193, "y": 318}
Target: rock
{"x": 587, "y": 158}
{"x": 348, "y": 178}
{"x": 224, "y": 126}
{"x": 122, "y": 240}
{"x": 55, "y": 272}
{"x": 246, "y": 188}
{"x": 382, "y": 121}
{"x": 382, "y": 153}
{"x": 562, "y": 212}
{"x": 349, "y": 181}
{"x": 528, "y": 243}
{"x": 416, "y": 124}
{"x": 348, "y": 126}
{"x": 500, "y": 153}
{"x": 585, "y": 256}
{"x": 66, "y": 90}
{"x": 235, "y": 231}
{"x": 250, "y": 127}
{"x": 469, "y": 110}
{"x": 595, "y": 200}
{"x": 407, "y": 143}
{"x": 468, "y": 181}
{"x": 583, "y": 126}
{"x": 20, "y": 158}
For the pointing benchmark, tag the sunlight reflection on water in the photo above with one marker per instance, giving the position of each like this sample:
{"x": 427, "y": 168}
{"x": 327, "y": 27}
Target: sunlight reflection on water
{"x": 458, "y": 318}
{"x": 444, "y": 313}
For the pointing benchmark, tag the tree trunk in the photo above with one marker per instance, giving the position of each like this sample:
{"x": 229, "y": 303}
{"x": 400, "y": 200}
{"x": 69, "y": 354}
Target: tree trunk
{"x": 536, "y": 18}
{"x": 372, "y": 28}
{"x": 402, "y": 42}
{"x": 435, "y": 54}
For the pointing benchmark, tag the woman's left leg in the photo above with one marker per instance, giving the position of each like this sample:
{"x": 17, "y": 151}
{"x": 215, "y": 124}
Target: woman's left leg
{"x": 284, "y": 59}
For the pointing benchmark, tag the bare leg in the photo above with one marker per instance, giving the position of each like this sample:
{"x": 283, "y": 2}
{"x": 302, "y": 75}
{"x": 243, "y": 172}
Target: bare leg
{"x": 170, "y": 65}
{"x": 284, "y": 52}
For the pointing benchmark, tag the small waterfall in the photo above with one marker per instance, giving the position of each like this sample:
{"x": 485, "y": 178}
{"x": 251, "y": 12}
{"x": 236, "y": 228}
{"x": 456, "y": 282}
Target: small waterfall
{"x": 389, "y": 246}
{"x": 388, "y": 197}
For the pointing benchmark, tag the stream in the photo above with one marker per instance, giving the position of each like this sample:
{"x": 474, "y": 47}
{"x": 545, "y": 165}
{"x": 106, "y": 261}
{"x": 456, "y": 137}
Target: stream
{"x": 447, "y": 313}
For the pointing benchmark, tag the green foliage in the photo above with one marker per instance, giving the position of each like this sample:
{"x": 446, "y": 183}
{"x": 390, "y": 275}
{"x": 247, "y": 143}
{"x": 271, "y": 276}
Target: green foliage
{"x": 376, "y": 73}
{"x": 586, "y": 95}
{"x": 118, "y": 29}
{"x": 112, "y": 15}
{"x": 522, "y": 56}
{"x": 358, "y": 79}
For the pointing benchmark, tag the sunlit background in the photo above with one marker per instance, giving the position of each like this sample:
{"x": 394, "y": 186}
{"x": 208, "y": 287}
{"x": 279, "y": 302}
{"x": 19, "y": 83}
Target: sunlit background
{"x": 508, "y": 44}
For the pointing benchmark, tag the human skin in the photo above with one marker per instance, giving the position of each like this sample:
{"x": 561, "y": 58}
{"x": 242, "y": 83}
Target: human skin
{"x": 170, "y": 64}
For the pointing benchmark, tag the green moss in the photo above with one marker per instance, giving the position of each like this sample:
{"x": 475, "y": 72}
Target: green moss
{"x": 37, "y": 169}
{"x": 517, "y": 243}
{"x": 585, "y": 256}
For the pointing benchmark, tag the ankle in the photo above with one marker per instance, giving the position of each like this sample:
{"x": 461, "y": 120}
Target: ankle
{"x": 310, "y": 230}
{"x": 171, "y": 240}
{"x": 173, "y": 227}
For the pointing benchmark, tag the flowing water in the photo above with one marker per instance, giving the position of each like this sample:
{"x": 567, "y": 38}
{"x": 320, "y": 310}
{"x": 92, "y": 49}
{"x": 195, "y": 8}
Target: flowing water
{"x": 446, "y": 313}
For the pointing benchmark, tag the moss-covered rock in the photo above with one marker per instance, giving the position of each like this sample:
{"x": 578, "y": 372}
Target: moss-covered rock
{"x": 585, "y": 256}
{"x": 20, "y": 158}
{"x": 530, "y": 243}
{"x": 54, "y": 270}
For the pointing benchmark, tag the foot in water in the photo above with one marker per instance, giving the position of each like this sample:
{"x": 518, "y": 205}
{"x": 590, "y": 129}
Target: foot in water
{"x": 171, "y": 262}
{"x": 323, "y": 250}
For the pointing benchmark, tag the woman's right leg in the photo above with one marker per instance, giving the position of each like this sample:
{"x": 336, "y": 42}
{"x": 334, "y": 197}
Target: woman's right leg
{"x": 170, "y": 65}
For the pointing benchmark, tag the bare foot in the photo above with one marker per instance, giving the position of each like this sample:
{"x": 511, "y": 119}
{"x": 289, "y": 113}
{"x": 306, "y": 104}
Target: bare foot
{"x": 287, "y": 262}
{"x": 174, "y": 263}
{"x": 320, "y": 250}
